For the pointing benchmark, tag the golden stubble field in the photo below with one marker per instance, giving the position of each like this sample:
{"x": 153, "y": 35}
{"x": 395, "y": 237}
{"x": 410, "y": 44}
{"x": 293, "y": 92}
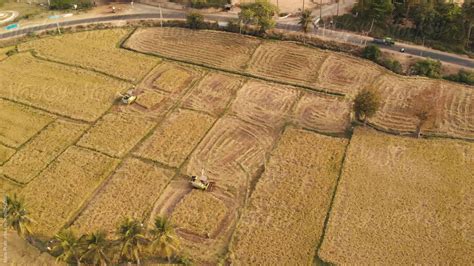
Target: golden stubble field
{"x": 268, "y": 122}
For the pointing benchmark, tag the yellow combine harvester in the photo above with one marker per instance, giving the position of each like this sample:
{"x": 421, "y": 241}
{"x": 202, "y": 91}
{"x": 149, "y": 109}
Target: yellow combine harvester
{"x": 201, "y": 183}
{"x": 128, "y": 97}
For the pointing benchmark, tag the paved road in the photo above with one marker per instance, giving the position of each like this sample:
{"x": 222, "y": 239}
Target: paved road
{"x": 330, "y": 34}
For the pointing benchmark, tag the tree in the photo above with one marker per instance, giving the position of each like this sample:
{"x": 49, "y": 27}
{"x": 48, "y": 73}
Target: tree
{"x": 366, "y": 104}
{"x": 260, "y": 13}
{"x": 164, "y": 242}
{"x": 194, "y": 20}
{"x": 96, "y": 248}
{"x": 67, "y": 246}
{"x": 427, "y": 67}
{"x": 16, "y": 215}
{"x": 132, "y": 239}
{"x": 372, "y": 52}
{"x": 305, "y": 20}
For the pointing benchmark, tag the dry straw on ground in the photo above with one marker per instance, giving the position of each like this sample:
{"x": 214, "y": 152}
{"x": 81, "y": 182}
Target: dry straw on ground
{"x": 18, "y": 123}
{"x": 96, "y": 50}
{"x": 402, "y": 201}
{"x": 213, "y": 93}
{"x": 33, "y": 157}
{"x": 284, "y": 219}
{"x": 116, "y": 133}
{"x": 58, "y": 192}
{"x": 5, "y": 154}
{"x": 68, "y": 91}
{"x": 217, "y": 49}
{"x": 176, "y": 137}
{"x": 130, "y": 192}
{"x": 323, "y": 113}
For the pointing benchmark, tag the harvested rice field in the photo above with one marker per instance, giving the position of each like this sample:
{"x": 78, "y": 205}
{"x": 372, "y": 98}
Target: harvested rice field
{"x": 449, "y": 107}
{"x": 130, "y": 192}
{"x": 284, "y": 220}
{"x": 288, "y": 62}
{"x": 3, "y": 52}
{"x": 402, "y": 201}
{"x": 97, "y": 50}
{"x": 293, "y": 180}
{"x": 229, "y": 51}
{"x": 58, "y": 192}
{"x": 60, "y": 89}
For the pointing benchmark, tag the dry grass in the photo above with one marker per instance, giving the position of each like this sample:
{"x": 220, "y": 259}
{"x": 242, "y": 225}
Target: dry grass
{"x": 5, "y": 154}
{"x": 218, "y": 49}
{"x": 32, "y": 158}
{"x": 19, "y": 123}
{"x": 115, "y": 134}
{"x": 130, "y": 192}
{"x": 96, "y": 50}
{"x": 448, "y": 106}
{"x": 284, "y": 219}
{"x": 171, "y": 78}
{"x": 346, "y": 75}
{"x": 323, "y": 113}
{"x": 150, "y": 98}
{"x": 213, "y": 93}
{"x": 57, "y": 193}
{"x": 289, "y": 62}
{"x": 57, "y": 88}
{"x": 4, "y": 50}
{"x": 264, "y": 104}
{"x": 199, "y": 213}
{"x": 402, "y": 201}
{"x": 176, "y": 137}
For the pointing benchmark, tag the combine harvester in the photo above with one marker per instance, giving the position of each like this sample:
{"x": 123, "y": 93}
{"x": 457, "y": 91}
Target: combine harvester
{"x": 201, "y": 183}
{"x": 128, "y": 98}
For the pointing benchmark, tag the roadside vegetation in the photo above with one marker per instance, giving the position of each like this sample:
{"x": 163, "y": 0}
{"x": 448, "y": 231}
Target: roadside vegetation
{"x": 439, "y": 24}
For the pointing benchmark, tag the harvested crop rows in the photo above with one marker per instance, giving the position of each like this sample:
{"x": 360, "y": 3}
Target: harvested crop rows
{"x": 5, "y": 154}
{"x": 115, "y": 134}
{"x": 60, "y": 89}
{"x": 449, "y": 108}
{"x": 130, "y": 192}
{"x": 96, "y": 50}
{"x": 402, "y": 201}
{"x": 322, "y": 113}
{"x": 175, "y": 138}
{"x": 217, "y": 49}
{"x": 287, "y": 61}
{"x": 212, "y": 94}
{"x": 19, "y": 123}
{"x": 58, "y": 192}
{"x": 41, "y": 150}
{"x": 284, "y": 219}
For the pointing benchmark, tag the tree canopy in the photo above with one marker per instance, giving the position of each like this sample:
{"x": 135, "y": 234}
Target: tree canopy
{"x": 260, "y": 13}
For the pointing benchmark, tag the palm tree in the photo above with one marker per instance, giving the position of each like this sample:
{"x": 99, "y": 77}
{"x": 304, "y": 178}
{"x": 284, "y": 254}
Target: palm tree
{"x": 305, "y": 20}
{"x": 96, "y": 248}
{"x": 16, "y": 215}
{"x": 67, "y": 245}
{"x": 132, "y": 239}
{"x": 164, "y": 241}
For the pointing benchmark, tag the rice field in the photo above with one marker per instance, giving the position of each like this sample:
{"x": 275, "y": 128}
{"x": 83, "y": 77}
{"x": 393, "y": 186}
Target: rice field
{"x": 57, "y": 88}
{"x": 18, "y": 123}
{"x": 213, "y": 93}
{"x": 289, "y": 62}
{"x": 402, "y": 201}
{"x": 97, "y": 50}
{"x": 130, "y": 192}
{"x": 283, "y": 222}
{"x": 115, "y": 134}
{"x": 323, "y": 113}
{"x": 5, "y": 154}
{"x": 58, "y": 192}
{"x": 229, "y": 51}
{"x": 35, "y": 155}
{"x": 175, "y": 137}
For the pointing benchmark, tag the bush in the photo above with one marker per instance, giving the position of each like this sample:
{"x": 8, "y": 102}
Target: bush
{"x": 393, "y": 65}
{"x": 366, "y": 104}
{"x": 427, "y": 68}
{"x": 208, "y": 3}
{"x": 372, "y": 52}
{"x": 194, "y": 20}
{"x": 463, "y": 76}
{"x": 67, "y": 4}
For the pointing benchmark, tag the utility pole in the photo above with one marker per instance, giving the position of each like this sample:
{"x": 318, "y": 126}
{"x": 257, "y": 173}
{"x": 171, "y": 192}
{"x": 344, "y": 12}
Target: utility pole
{"x": 161, "y": 17}
{"x": 321, "y": 10}
{"x": 469, "y": 35}
{"x": 337, "y": 10}
{"x": 303, "y": 6}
